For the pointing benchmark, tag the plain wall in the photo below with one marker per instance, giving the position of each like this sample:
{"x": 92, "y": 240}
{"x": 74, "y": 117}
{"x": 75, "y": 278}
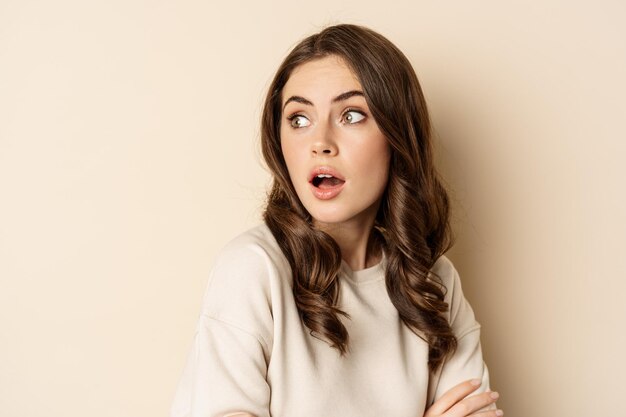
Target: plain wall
{"x": 129, "y": 156}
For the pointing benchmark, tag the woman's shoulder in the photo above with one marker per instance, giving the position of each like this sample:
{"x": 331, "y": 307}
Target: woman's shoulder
{"x": 444, "y": 269}
{"x": 243, "y": 271}
{"x": 460, "y": 314}
{"x": 258, "y": 236}
{"x": 255, "y": 247}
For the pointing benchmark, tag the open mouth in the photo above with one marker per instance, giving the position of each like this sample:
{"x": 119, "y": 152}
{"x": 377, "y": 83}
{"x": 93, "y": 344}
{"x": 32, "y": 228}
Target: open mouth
{"x": 326, "y": 181}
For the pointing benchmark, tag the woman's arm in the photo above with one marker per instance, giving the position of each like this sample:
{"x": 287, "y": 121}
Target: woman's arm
{"x": 226, "y": 368}
{"x": 225, "y": 373}
{"x": 456, "y": 403}
{"x": 466, "y": 363}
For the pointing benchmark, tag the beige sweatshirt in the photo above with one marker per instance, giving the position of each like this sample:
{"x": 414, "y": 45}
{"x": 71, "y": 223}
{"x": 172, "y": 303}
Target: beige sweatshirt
{"x": 251, "y": 351}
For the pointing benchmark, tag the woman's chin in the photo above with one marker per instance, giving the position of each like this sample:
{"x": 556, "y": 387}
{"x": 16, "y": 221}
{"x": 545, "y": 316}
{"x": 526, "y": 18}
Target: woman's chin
{"x": 328, "y": 218}
{"x": 336, "y": 216}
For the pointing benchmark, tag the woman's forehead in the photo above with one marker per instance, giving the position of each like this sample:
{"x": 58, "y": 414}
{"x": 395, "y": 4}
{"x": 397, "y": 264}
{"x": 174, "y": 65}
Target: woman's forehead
{"x": 322, "y": 77}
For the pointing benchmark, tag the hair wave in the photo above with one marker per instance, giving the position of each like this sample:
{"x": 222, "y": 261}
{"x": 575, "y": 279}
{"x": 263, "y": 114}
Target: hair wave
{"x": 412, "y": 223}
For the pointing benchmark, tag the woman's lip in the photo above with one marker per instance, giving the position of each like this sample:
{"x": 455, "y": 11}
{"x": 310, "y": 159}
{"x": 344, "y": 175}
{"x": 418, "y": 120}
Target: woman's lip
{"x": 327, "y": 193}
{"x": 325, "y": 170}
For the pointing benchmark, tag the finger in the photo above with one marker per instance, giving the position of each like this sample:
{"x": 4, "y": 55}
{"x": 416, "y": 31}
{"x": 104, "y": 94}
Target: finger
{"x": 239, "y": 414}
{"x": 453, "y": 396}
{"x": 490, "y": 413}
{"x": 470, "y": 404}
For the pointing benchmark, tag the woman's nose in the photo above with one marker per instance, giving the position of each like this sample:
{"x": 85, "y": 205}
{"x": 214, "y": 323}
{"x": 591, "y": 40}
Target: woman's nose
{"x": 324, "y": 145}
{"x": 324, "y": 148}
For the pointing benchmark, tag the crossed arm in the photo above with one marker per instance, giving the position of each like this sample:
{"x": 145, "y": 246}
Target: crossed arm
{"x": 454, "y": 403}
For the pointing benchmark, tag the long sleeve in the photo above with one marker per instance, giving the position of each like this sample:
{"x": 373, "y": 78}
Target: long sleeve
{"x": 467, "y": 361}
{"x": 226, "y": 369}
{"x": 225, "y": 372}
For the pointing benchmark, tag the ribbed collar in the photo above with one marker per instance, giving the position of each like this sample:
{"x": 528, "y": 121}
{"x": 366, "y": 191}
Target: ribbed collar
{"x": 373, "y": 273}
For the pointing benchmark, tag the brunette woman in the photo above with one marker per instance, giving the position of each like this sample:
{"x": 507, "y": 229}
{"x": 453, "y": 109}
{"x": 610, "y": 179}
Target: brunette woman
{"x": 341, "y": 303}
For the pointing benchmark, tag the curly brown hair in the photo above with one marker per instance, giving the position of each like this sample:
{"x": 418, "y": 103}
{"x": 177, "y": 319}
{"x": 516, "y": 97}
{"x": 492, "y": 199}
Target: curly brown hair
{"x": 412, "y": 223}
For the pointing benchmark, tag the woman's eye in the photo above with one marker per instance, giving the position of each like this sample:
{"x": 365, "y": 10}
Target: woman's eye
{"x": 299, "y": 121}
{"x": 353, "y": 116}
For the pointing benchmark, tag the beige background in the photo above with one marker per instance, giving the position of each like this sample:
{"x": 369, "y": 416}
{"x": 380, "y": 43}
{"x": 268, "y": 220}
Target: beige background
{"x": 129, "y": 156}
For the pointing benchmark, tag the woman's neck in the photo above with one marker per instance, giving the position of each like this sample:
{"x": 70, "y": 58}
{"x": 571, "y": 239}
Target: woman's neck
{"x": 359, "y": 247}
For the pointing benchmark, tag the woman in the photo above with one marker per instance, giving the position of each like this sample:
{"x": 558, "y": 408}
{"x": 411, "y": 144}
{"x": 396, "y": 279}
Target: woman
{"x": 341, "y": 303}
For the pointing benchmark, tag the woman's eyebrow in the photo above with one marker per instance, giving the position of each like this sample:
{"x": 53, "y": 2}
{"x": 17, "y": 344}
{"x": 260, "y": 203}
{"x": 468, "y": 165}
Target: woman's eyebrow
{"x": 340, "y": 97}
{"x": 297, "y": 99}
{"x": 347, "y": 95}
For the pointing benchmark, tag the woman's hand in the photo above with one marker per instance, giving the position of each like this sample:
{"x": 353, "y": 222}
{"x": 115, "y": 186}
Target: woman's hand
{"x": 239, "y": 414}
{"x": 454, "y": 404}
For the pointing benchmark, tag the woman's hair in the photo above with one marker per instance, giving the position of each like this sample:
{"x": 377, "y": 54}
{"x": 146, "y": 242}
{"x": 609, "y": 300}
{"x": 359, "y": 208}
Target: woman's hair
{"x": 412, "y": 223}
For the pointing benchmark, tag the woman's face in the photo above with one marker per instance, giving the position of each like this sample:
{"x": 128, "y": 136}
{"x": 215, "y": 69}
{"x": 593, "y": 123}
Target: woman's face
{"x": 337, "y": 157}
